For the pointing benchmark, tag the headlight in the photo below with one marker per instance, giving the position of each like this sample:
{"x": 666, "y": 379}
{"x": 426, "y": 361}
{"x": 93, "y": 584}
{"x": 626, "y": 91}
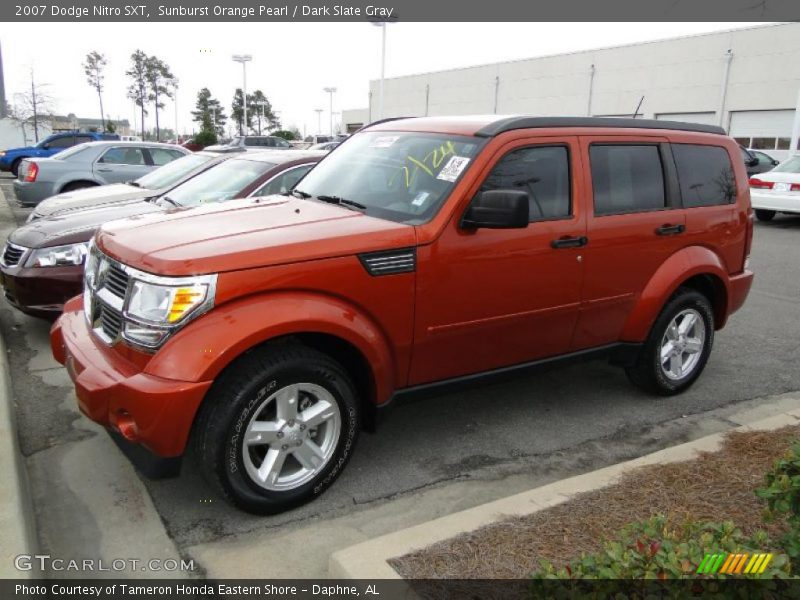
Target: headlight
{"x": 58, "y": 256}
{"x": 2, "y": 153}
{"x": 165, "y": 305}
{"x": 157, "y": 306}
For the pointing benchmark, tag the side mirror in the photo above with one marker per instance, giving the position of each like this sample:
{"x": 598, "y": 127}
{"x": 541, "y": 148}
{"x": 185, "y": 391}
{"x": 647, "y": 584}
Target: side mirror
{"x": 498, "y": 209}
{"x": 45, "y": 146}
{"x": 775, "y": 163}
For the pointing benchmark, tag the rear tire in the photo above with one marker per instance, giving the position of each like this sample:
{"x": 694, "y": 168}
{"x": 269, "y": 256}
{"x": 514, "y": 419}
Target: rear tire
{"x": 15, "y": 167}
{"x": 277, "y": 428}
{"x": 76, "y": 185}
{"x": 765, "y": 215}
{"x": 678, "y": 346}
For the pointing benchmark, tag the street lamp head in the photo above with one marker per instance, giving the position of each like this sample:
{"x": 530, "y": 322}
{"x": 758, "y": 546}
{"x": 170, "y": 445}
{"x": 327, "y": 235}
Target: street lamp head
{"x": 242, "y": 58}
{"x": 330, "y": 90}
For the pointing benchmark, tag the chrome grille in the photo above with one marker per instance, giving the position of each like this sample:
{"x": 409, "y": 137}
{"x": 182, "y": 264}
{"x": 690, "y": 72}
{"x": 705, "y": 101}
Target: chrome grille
{"x": 390, "y": 262}
{"x": 12, "y": 255}
{"x": 115, "y": 281}
{"x": 110, "y": 320}
{"x": 106, "y": 283}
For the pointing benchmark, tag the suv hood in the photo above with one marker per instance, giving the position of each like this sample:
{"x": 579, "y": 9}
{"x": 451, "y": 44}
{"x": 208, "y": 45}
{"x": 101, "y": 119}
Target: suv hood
{"x": 246, "y": 234}
{"x": 77, "y": 226}
{"x": 90, "y": 197}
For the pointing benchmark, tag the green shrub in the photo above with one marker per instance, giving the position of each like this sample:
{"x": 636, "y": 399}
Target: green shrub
{"x": 655, "y": 550}
{"x": 205, "y": 138}
{"x": 783, "y": 497}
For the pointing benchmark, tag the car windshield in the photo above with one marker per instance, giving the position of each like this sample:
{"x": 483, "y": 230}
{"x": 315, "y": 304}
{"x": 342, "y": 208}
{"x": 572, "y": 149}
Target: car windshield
{"x": 790, "y": 166}
{"x": 221, "y": 182}
{"x": 400, "y": 176}
{"x": 172, "y": 172}
{"x": 71, "y": 152}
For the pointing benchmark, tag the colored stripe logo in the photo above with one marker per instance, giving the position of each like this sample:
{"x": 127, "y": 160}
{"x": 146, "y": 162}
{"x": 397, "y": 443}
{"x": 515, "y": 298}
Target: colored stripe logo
{"x": 734, "y": 564}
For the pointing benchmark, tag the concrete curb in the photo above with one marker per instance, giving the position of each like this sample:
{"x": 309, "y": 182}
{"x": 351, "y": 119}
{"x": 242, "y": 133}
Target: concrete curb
{"x": 368, "y": 560}
{"x": 17, "y": 522}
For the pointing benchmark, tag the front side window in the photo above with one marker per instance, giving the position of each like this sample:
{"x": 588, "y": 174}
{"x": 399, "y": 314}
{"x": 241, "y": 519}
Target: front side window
{"x": 400, "y": 176}
{"x": 173, "y": 172}
{"x": 123, "y": 156}
{"x": 627, "y": 179}
{"x": 82, "y": 139}
{"x": 221, "y": 182}
{"x": 283, "y": 182}
{"x": 542, "y": 172}
{"x": 705, "y": 174}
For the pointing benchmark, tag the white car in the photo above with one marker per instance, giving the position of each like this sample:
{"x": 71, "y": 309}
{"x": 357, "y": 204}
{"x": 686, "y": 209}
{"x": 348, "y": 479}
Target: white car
{"x": 777, "y": 190}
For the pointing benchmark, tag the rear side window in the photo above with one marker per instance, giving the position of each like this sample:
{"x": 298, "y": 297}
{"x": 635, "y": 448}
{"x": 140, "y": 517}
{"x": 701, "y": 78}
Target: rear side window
{"x": 542, "y": 172}
{"x": 627, "y": 179}
{"x": 705, "y": 174}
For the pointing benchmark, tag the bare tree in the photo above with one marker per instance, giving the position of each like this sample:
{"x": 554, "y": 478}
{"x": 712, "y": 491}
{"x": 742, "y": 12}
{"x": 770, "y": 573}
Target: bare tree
{"x": 32, "y": 106}
{"x": 93, "y": 66}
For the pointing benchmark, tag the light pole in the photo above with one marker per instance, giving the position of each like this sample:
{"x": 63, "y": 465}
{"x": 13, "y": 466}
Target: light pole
{"x": 262, "y": 104}
{"x": 338, "y": 125}
{"x": 175, "y": 100}
{"x": 244, "y": 59}
{"x": 382, "y": 25}
{"x": 319, "y": 112}
{"x": 331, "y": 91}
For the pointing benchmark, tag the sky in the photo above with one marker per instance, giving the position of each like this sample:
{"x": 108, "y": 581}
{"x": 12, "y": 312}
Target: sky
{"x": 291, "y": 63}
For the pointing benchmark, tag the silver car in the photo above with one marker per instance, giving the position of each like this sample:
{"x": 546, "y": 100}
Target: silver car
{"x": 86, "y": 165}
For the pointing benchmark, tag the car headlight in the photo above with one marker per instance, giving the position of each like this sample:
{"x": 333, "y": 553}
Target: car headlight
{"x": 58, "y": 256}
{"x": 157, "y": 306}
{"x": 165, "y": 305}
{"x": 2, "y": 153}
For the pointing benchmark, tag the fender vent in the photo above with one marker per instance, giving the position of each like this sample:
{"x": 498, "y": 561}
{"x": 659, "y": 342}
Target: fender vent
{"x": 390, "y": 262}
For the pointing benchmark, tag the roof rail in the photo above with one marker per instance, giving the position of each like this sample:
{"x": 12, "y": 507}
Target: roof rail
{"x": 379, "y": 121}
{"x": 512, "y": 123}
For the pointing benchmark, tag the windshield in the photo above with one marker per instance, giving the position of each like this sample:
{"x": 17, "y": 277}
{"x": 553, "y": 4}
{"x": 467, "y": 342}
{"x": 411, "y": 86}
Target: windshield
{"x": 399, "y": 176}
{"x": 172, "y": 172}
{"x": 70, "y": 152}
{"x": 790, "y": 166}
{"x": 221, "y": 182}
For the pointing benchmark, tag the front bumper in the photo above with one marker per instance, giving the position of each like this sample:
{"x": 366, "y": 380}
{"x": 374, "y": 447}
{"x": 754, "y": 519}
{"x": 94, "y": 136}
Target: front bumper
{"x": 30, "y": 193}
{"x": 41, "y": 291}
{"x": 150, "y": 411}
{"x": 777, "y": 201}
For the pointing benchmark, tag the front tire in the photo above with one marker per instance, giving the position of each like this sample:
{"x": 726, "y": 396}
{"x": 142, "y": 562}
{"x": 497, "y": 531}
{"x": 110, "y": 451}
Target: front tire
{"x": 678, "y": 346}
{"x": 277, "y": 428}
{"x": 765, "y": 215}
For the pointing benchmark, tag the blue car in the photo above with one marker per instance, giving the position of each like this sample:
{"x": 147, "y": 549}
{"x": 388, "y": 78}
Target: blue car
{"x": 10, "y": 159}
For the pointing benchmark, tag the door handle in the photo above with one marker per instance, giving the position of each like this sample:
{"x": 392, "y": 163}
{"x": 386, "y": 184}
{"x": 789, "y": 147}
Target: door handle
{"x": 570, "y": 242}
{"x": 670, "y": 229}
{"x": 104, "y": 170}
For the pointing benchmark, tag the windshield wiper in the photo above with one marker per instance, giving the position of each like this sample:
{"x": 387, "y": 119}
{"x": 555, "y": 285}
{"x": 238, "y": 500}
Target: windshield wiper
{"x": 342, "y": 202}
{"x": 170, "y": 201}
{"x": 133, "y": 183}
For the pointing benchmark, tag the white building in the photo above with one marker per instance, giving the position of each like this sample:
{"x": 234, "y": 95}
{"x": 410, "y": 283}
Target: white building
{"x": 746, "y": 80}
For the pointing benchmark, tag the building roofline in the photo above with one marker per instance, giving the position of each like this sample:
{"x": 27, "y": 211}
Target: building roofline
{"x": 587, "y": 51}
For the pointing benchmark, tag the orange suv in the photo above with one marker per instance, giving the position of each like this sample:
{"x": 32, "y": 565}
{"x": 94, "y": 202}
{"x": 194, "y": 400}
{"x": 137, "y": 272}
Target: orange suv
{"x": 422, "y": 253}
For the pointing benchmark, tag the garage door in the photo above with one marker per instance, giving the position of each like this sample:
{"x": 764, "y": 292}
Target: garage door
{"x": 704, "y": 118}
{"x": 763, "y": 129}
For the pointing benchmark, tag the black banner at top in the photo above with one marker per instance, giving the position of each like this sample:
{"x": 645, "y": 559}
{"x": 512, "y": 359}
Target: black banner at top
{"x": 398, "y": 10}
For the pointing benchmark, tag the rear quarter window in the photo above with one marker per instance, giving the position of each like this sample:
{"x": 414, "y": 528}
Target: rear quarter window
{"x": 705, "y": 175}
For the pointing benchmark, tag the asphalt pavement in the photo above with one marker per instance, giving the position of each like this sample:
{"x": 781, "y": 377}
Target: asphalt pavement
{"x": 429, "y": 459}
